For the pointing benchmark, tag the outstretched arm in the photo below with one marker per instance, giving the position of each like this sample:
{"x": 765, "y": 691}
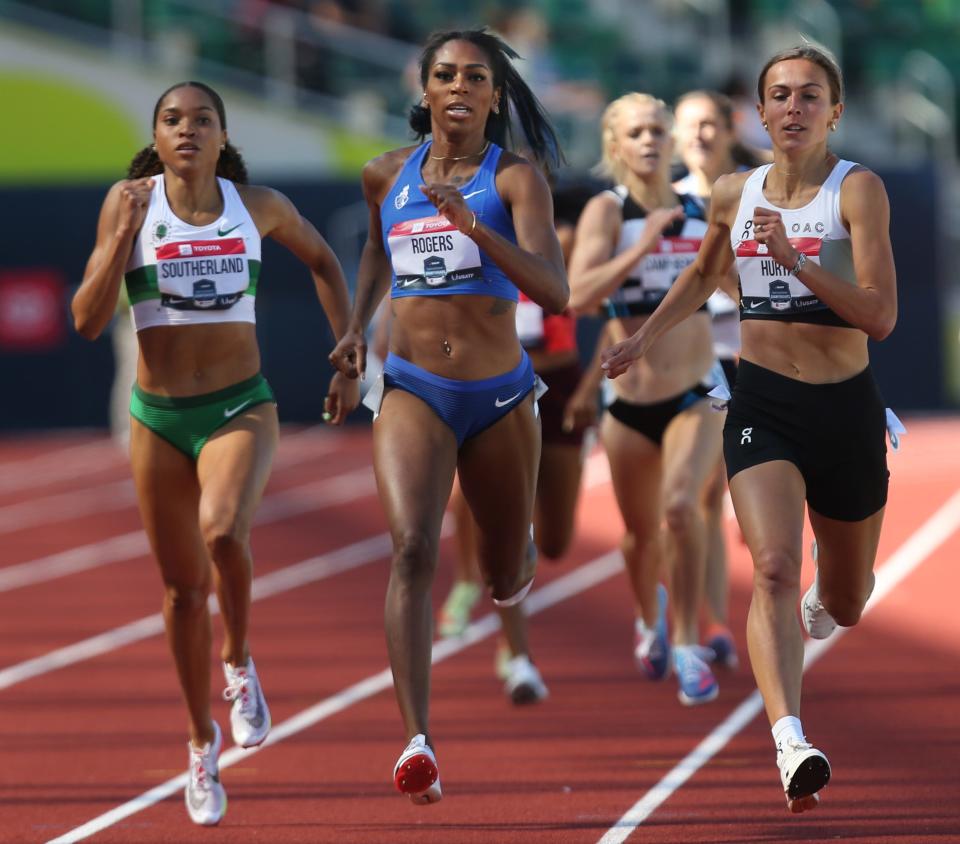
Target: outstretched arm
{"x": 121, "y": 216}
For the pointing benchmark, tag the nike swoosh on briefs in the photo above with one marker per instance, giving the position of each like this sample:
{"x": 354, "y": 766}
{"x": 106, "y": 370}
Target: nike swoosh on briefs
{"x": 233, "y": 411}
{"x": 473, "y": 193}
{"x": 225, "y": 233}
{"x": 504, "y": 402}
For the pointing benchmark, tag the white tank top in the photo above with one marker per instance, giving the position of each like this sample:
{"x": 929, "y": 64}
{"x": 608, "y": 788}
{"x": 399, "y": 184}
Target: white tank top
{"x": 650, "y": 279}
{"x": 769, "y": 290}
{"x": 180, "y": 274}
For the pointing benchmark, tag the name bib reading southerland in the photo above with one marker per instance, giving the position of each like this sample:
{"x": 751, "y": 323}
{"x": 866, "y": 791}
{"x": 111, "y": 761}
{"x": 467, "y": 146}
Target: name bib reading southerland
{"x": 431, "y": 253}
{"x": 204, "y": 274}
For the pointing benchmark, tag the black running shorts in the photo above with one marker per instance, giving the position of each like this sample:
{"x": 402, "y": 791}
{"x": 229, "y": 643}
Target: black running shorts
{"x": 835, "y": 434}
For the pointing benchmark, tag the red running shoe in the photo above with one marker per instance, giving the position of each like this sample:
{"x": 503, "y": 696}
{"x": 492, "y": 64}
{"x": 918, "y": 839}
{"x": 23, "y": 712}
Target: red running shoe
{"x": 416, "y": 773}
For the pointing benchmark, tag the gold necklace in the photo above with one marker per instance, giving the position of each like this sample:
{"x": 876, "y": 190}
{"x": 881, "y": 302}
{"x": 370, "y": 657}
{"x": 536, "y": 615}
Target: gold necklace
{"x": 460, "y": 157}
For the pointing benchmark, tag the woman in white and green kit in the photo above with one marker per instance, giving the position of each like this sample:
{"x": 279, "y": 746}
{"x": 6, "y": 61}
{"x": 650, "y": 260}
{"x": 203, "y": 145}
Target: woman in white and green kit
{"x": 183, "y": 233}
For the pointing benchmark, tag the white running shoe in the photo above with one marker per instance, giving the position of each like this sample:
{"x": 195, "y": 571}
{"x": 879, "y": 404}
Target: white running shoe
{"x": 818, "y": 623}
{"x": 416, "y": 773}
{"x": 204, "y": 795}
{"x": 524, "y": 683}
{"x": 804, "y": 770}
{"x": 249, "y": 715}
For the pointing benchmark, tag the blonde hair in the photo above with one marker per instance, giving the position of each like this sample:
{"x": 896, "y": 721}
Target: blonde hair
{"x": 610, "y": 165}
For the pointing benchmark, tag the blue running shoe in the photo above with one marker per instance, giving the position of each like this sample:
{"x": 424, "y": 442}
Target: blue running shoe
{"x": 697, "y": 683}
{"x": 651, "y": 648}
{"x": 720, "y": 641}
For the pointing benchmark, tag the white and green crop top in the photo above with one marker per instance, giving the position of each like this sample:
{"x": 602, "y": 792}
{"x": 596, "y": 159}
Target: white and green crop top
{"x": 180, "y": 274}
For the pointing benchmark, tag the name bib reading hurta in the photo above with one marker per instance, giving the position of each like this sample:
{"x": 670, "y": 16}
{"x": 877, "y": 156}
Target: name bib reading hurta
{"x": 431, "y": 253}
{"x": 204, "y": 274}
{"x": 768, "y": 287}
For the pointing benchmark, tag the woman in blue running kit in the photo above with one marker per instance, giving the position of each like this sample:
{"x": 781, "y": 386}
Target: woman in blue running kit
{"x": 809, "y": 235}
{"x": 183, "y": 234}
{"x": 457, "y": 226}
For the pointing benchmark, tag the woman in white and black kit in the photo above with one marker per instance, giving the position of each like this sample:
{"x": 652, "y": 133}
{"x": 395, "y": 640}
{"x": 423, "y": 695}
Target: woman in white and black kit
{"x": 660, "y": 434}
{"x": 707, "y": 144}
{"x": 806, "y": 423}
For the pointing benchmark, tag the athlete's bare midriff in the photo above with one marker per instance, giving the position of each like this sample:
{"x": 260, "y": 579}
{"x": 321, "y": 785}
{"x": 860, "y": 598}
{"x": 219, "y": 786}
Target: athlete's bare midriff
{"x": 190, "y": 360}
{"x": 816, "y": 354}
{"x": 461, "y": 337}
{"x": 675, "y": 362}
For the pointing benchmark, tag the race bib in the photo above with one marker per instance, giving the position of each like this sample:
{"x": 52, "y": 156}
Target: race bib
{"x": 201, "y": 274}
{"x": 658, "y": 270}
{"x": 431, "y": 253}
{"x": 768, "y": 287}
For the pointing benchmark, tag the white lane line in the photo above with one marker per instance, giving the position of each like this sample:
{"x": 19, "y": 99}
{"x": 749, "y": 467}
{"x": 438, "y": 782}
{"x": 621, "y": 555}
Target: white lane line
{"x": 109, "y": 496}
{"x": 84, "y": 459}
{"x": 337, "y": 490}
{"x": 274, "y": 507}
{"x": 580, "y": 579}
{"x": 52, "y": 466}
{"x": 74, "y": 504}
{"x": 918, "y": 548}
{"x": 307, "y": 571}
{"x": 284, "y": 504}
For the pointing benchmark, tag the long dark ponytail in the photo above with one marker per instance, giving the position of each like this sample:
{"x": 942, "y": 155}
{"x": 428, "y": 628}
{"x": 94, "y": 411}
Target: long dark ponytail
{"x": 230, "y": 165}
{"x": 539, "y": 137}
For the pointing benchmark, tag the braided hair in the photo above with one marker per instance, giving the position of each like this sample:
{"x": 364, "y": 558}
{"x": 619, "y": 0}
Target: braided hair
{"x": 230, "y": 165}
{"x": 539, "y": 137}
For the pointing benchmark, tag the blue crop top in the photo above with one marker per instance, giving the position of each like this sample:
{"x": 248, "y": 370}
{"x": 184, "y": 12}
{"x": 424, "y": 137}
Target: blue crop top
{"x": 429, "y": 256}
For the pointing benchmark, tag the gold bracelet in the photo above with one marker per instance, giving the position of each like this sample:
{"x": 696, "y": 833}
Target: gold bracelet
{"x": 473, "y": 226}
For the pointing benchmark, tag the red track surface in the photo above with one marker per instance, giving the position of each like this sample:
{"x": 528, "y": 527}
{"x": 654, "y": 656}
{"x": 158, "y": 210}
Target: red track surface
{"x": 82, "y": 738}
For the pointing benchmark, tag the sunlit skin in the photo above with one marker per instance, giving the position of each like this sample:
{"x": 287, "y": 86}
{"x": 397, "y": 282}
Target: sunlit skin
{"x": 799, "y": 111}
{"x": 460, "y": 94}
{"x": 461, "y": 337}
{"x": 188, "y": 135}
{"x": 198, "y": 512}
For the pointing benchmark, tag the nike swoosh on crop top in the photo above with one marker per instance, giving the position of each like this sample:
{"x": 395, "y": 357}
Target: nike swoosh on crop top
{"x": 768, "y": 290}
{"x": 179, "y": 274}
{"x": 429, "y": 256}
